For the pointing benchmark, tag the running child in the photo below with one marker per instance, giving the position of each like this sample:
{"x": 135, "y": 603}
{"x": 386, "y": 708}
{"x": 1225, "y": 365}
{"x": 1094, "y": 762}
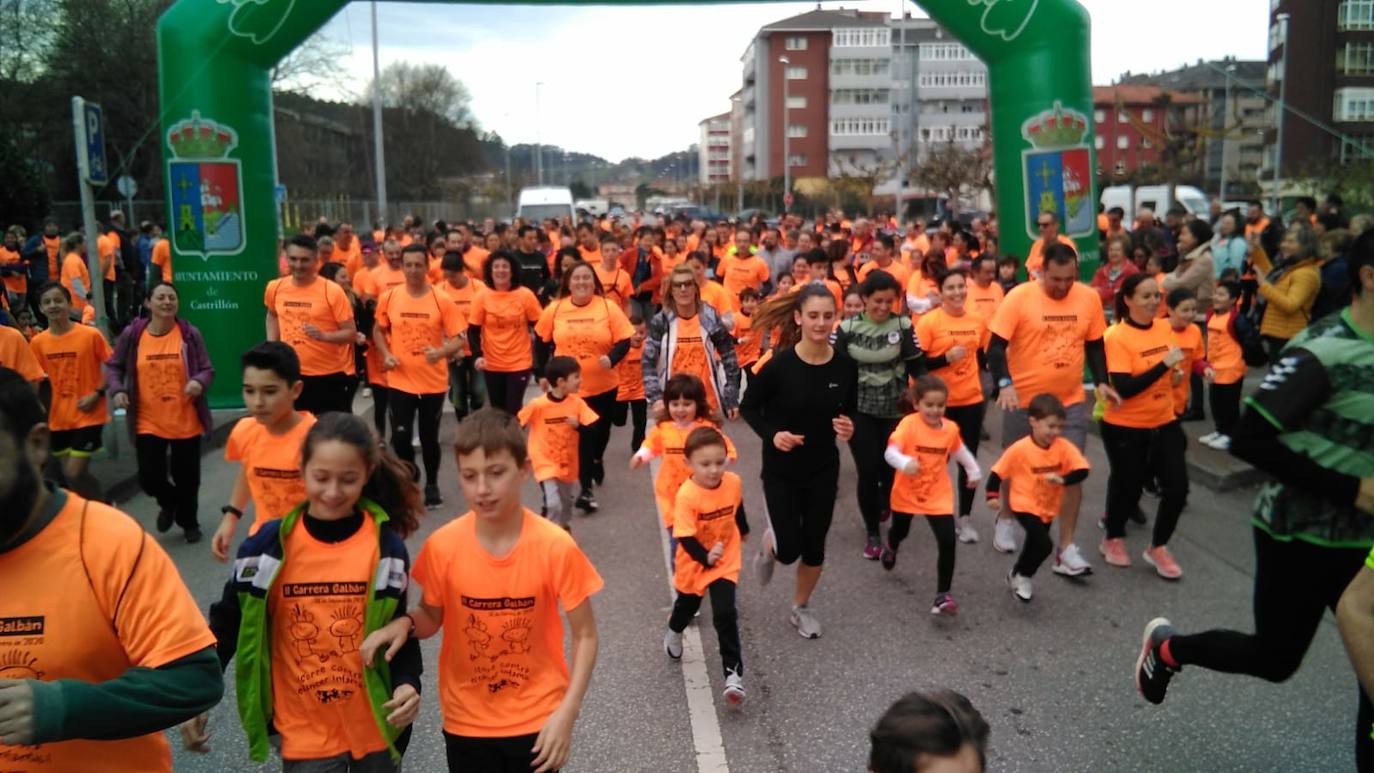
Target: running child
{"x": 552, "y": 420}
{"x": 1226, "y": 328}
{"x": 687, "y": 409}
{"x": 748, "y": 341}
{"x": 1182, "y": 305}
{"x": 497, "y": 576}
{"x": 710, "y": 527}
{"x": 629, "y": 396}
{"x": 1032, "y": 474}
{"x": 919, "y": 450}
{"x": 306, "y": 589}
{"x": 267, "y": 444}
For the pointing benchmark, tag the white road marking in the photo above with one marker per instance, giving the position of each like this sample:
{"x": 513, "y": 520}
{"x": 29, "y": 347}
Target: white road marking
{"x": 701, "y": 705}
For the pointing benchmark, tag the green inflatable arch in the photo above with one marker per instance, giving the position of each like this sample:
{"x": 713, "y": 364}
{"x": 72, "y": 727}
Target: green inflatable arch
{"x": 214, "y": 59}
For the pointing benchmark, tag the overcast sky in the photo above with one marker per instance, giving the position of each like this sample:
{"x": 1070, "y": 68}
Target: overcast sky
{"x": 634, "y": 81}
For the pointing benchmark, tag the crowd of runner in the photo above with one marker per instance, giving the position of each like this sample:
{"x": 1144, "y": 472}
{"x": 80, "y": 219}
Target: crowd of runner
{"x": 897, "y": 340}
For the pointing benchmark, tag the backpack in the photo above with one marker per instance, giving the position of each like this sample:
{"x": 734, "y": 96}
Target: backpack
{"x": 1247, "y": 335}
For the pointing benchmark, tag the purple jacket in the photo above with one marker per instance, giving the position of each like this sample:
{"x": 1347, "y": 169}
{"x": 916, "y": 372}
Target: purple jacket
{"x": 121, "y": 372}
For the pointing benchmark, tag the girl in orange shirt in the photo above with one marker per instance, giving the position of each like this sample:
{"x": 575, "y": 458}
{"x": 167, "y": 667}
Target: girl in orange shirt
{"x": 1182, "y": 304}
{"x": 1227, "y": 363}
{"x": 919, "y": 450}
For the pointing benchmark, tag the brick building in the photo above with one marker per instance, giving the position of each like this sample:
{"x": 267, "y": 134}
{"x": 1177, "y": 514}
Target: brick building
{"x": 1143, "y": 126}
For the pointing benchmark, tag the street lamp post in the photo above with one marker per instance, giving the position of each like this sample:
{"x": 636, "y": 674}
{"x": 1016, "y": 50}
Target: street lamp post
{"x": 786, "y": 141}
{"x": 1226, "y": 132}
{"x": 1277, "y": 198}
{"x": 538, "y": 147}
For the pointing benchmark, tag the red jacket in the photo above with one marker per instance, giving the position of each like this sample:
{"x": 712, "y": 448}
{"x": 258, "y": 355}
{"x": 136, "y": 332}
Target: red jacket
{"x": 1105, "y": 288}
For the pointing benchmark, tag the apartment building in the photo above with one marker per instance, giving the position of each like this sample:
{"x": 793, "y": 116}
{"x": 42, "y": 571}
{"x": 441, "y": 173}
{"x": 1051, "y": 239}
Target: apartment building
{"x": 713, "y": 150}
{"x": 1135, "y": 126}
{"x": 940, "y": 90}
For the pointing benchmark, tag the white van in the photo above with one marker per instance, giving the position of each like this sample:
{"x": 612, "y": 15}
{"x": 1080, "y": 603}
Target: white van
{"x": 546, "y": 202}
{"x": 1159, "y": 198}
{"x": 593, "y": 207}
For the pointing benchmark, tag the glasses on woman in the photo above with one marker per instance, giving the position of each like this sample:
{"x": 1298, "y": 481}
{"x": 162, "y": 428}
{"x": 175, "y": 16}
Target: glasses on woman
{"x": 683, "y": 285}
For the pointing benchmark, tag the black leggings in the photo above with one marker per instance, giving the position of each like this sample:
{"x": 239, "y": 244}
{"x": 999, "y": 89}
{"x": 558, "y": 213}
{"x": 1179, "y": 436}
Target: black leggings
{"x": 507, "y": 390}
{"x": 969, "y": 418}
{"x": 724, "y": 617}
{"x": 636, "y": 411}
{"x": 1295, "y": 583}
{"x": 330, "y": 392}
{"x": 404, "y": 407}
{"x": 182, "y": 494}
{"x": 942, "y": 526}
{"x": 799, "y": 512}
{"x": 1135, "y": 455}
{"x": 1225, "y": 401}
{"x": 466, "y": 754}
{"x": 381, "y": 399}
{"x": 875, "y": 476}
{"x": 593, "y": 438}
{"x": 1038, "y": 544}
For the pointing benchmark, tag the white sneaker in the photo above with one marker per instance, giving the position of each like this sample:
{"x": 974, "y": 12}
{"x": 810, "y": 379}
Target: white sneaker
{"x": 1209, "y": 438}
{"x": 1070, "y": 562}
{"x": 808, "y": 627}
{"x": 1222, "y": 443}
{"x": 1004, "y": 536}
{"x": 1020, "y": 586}
{"x": 734, "y": 688}
{"x": 967, "y": 534}
{"x": 672, "y": 644}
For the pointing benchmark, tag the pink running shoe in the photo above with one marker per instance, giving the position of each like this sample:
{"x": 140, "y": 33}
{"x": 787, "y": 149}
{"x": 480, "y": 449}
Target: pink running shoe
{"x": 1114, "y": 552}
{"x": 1163, "y": 562}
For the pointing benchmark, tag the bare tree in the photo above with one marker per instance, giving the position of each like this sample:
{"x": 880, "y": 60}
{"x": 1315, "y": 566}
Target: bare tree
{"x": 425, "y": 87}
{"x": 952, "y": 168}
{"x": 315, "y": 64}
{"x": 26, "y": 35}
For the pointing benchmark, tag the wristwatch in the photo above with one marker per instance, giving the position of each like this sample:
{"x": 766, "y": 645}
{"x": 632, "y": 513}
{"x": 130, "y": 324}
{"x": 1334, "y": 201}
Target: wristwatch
{"x": 231, "y": 509}
{"x": 1003, "y": 382}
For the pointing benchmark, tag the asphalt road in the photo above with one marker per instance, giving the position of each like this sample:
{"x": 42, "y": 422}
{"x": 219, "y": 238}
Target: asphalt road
{"x": 1052, "y": 677}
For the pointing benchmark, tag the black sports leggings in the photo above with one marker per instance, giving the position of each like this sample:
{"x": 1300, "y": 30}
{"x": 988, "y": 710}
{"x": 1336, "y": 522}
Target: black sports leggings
{"x": 875, "y": 476}
{"x": 969, "y": 418}
{"x": 723, "y": 616}
{"x": 156, "y": 457}
{"x": 404, "y": 407}
{"x": 593, "y": 438}
{"x": 1295, "y": 583}
{"x": 799, "y": 513}
{"x": 1225, "y": 401}
{"x": 507, "y": 390}
{"x": 1037, "y": 547}
{"x": 1135, "y": 455}
{"x": 942, "y": 526}
{"x": 381, "y": 401}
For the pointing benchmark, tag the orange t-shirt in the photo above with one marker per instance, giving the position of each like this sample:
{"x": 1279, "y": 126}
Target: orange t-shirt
{"x": 1135, "y": 351}
{"x": 1045, "y": 351}
{"x": 1035, "y": 261}
{"x": 73, "y": 363}
{"x": 321, "y": 303}
{"x": 586, "y": 333}
{"x": 1224, "y": 352}
{"x": 918, "y": 246}
{"x": 630, "y": 375}
{"x": 474, "y": 261}
{"x": 501, "y": 665}
{"x": 715, "y": 295}
{"x": 898, "y": 271}
{"x": 107, "y": 245}
{"x": 15, "y": 283}
{"x": 349, "y": 255}
{"x": 709, "y": 516}
{"x": 162, "y": 257}
{"x": 53, "y": 244}
{"x": 615, "y": 284}
{"x": 1190, "y": 341}
{"x": 737, "y": 273}
{"x": 689, "y": 356}
{"x": 383, "y": 277}
{"x": 99, "y": 597}
{"x": 921, "y": 286}
{"x": 272, "y": 464}
{"x": 462, "y": 298}
{"x": 413, "y": 325}
{"x": 16, "y": 355}
{"x": 362, "y": 280}
{"x": 666, "y": 440}
{"x": 505, "y": 317}
{"x": 929, "y": 491}
{"x": 164, "y": 408}
{"x": 985, "y": 300}
{"x": 315, "y": 610}
{"x": 553, "y": 439}
{"x": 939, "y": 332}
{"x": 748, "y": 342}
{"x": 74, "y": 268}
{"x": 1025, "y": 466}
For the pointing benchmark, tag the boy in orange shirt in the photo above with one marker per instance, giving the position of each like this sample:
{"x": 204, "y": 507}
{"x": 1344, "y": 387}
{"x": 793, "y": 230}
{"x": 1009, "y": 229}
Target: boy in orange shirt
{"x": 1033, "y": 471}
{"x": 267, "y": 443}
{"x": 498, "y": 575}
{"x": 748, "y": 341}
{"x": 552, "y": 420}
{"x": 709, "y": 511}
{"x": 629, "y": 396}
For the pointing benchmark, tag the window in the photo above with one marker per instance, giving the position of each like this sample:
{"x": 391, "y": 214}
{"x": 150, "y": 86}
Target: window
{"x": 859, "y": 126}
{"x": 1145, "y": 143}
{"x": 1147, "y": 116}
{"x": 1121, "y": 167}
{"x": 1099, "y": 141}
{"x": 860, "y": 96}
{"x": 953, "y": 80}
{"x": 1355, "y": 59}
{"x": 866, "y": 37}
{"x": 1354, "y": 15}
{"x": 1100, "y": 116}
{"x": 796, "y": 130}
{"x": 969, "y": 107}
{"x": 1354, "y": 104}
{"x": 795, "y": 43}
{"x": 796, "y": 73}
{"x": 1123, "y": 142}
{"x": 796, "y": 103}
{"x": 944, "y": 52}
{"x": 796, "y": 159}
{"x": 1357, "y": 148}
{"x": 860, "y": 66}
{"x": 1123, "y": 117}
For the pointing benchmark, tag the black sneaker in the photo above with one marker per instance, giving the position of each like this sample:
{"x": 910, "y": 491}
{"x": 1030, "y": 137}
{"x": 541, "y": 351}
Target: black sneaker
{"x": 585, "y": 502}
{"x": 193, "y": 536}
{"x": 433, "y": 499}
{"x": 888, "y": 558}
{"x": 165, "y": 517}
{"x": 1152, "y": 674}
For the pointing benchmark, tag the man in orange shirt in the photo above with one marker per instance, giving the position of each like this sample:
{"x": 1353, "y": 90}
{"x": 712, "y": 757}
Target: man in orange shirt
{"x": 120, "y": 659}
{"x": 467, "y": 388}
{"x": 459, "y": 239}
{"x": 347, "y": 247}
{"x": 1048, "y": 223}
{"x": 1255, "y": 221}
{"x": 313, "y": 315}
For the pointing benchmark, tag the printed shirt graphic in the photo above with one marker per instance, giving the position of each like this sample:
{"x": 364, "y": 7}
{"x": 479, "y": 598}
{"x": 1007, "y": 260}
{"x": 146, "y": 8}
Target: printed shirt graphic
{"x": 462, "y": 298}
{"x": 1134, "y": 351}
{"x": 630, "y": 374}
{"x": 1045, "y": 351}
{"x": 322, "y": 304}
{"x": 505, "y": 317}
{"x": 63, "y": 626}
{"x": 709, "y": 516}
{"x": 665, "y": 440}
{"x": 73, "y": 363}
{"x": 319, "y": 701}
{"x": 553, "y": 441}
{"x": 586, "y": 333}
{"x": 939, "y": 332}
{"x": 689, "y": 356}
{"x": 414, "y": 325}
{"x": 1224, "y": 352}
{"x": 164, "y": 409}
{"x": 1026, "y": 464}
{"x": 929, "y": 491}
{"x": 272, "y": 464}
{"x": 501, "y": 665}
